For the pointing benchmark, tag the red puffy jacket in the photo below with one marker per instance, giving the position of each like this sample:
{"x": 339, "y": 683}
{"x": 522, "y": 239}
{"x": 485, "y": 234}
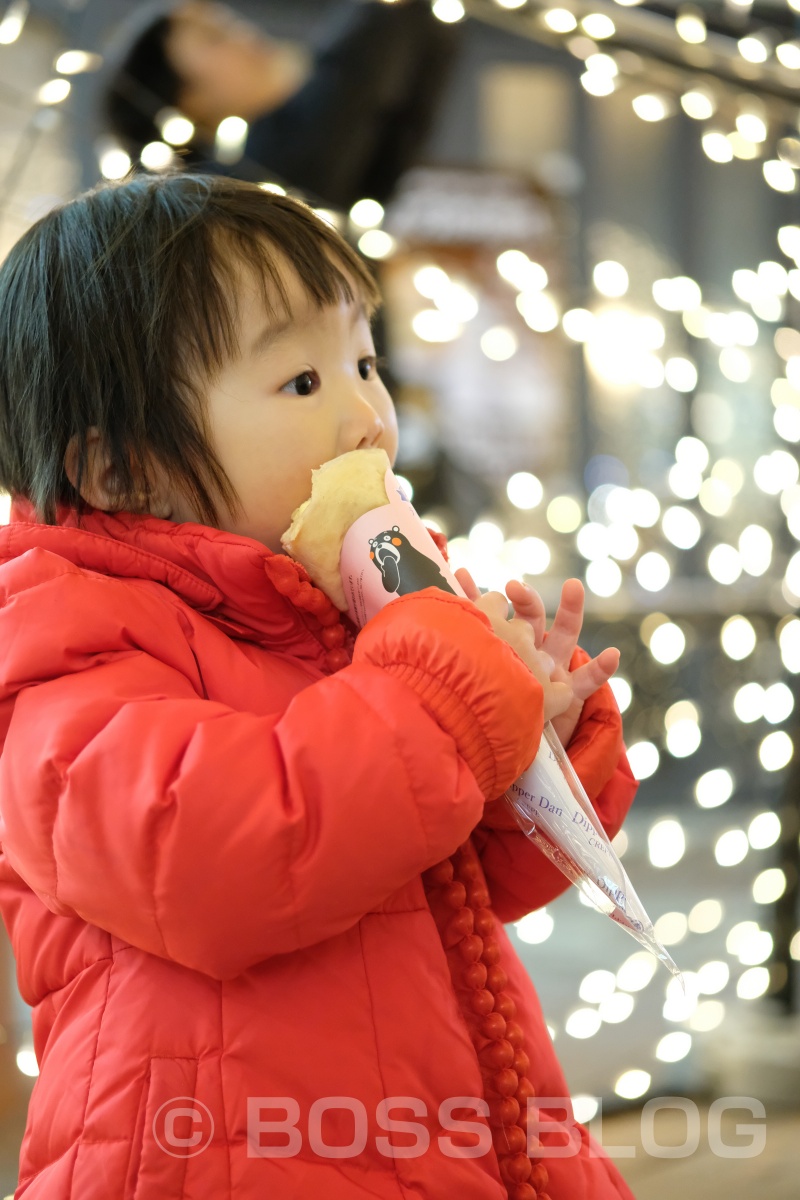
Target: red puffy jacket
{"x": 254, "y": 870}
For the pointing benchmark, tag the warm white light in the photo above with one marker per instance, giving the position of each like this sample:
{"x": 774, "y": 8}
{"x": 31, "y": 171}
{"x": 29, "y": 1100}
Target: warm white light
{"x": 731, "y": 848}
{"x": 431, "y": 325}
{"x": 577, "y": 324}
{"x": 645, "y": 509}
{"x": 748, "y": 703}
{"x": 560, "y": 20}
{"x": 753, "y": 49}
{"x": 724, "y": 564}
{"x": 786, "y": 420}
{"x": 623, "y": 693}
{"x": 230, "y": 138}
{"x": 715, "y": 497}
{"x": 769, "y": 885}
{"x": 753, "y": 983}
{"x": 26, "y": 1061}
{"x": 486, "y": 537}
{"x": 632, "y": 1084}
{"x": 789, "y": 642}
{"x": 674, "y": 1046}
{"x": 776, "y": 750}
{"x": 448, "y": 11}
{"x": 538, "y": 311}
{"x": 681, "y": 374}
{"x": 597, "y": 986}
{"x": 675, "y": 295}
{"x": 582, "y": 1023}
{"x": 376, "y": 243}
{"x": 524, "y": 490}
{"x": 592, "y": 540}
{"x": 690, "y": 26}
{"x": 714, "y": 788}
{"x": 681, "y": 527}
{"x": 54, "y": 91}
{"x": 776, "y": 471}
{"x": 667, "y": 643}
{"x": 651, "y": 107}
{"x": 73, "y": 62}
{"x": 788, "y": 55}
{"x": 114, "y": 163}
{"x": 564, "y": 514}
{"x": 666, "y": 843}
{"x": 707, "y": 1016}
{"x": 156, "y": 156}
{"x": 535, "y": 927}
{"x": 684, "y": 481}
{"x": 643, "y": 758}
{"x": 735, "y": 364}
{"x": 698, "y": 104}
{"x": 176, "y": 129}
{"x": 752, "y": 127}
{"x": 764, "y": 830}
{"x": 755, "y": 548}
{"x": 598, "y": 26}
{"x": 623, "y": 541}
{"x": 533, "y": 556}
{"x": 713, "y": 976}
{"x": 12, "y": 25}
{"x": 653, "y": 571}
{"x": 738, "y": 638}
{"x": 773, "y": 276}
{"x": 637, "y": 971}
{"x": 616, "y": 1008}
{"x": 705, "y": 916}
{"x": 366, "y": 214}
{"x": 779, "y": 175}
{"x": 598, "y": 83}
{"x": 789, "y": 240}
{"x": 717, "y": 147}
{"x": 603, "y": 577}
{"x": 499, "y": 343}
{"x": 431, "y": 282}
{"x": 516, "y": 268}
{"x": 778, "y": 703}
{"x": 610, "y": 278}
{"x": 584, "y": 1107}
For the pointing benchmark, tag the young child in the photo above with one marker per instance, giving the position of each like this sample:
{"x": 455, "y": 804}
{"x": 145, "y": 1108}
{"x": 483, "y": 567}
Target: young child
{"x": 255, "y": 864}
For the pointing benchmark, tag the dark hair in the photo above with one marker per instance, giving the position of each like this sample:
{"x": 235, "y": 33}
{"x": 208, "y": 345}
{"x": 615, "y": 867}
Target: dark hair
{"x": 143, "y": 83}
{"x": 117, "y": 307}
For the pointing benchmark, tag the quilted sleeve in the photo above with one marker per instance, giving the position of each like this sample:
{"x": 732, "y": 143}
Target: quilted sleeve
{"x": 216, "y": 837}
{"x": 519, "y": 876}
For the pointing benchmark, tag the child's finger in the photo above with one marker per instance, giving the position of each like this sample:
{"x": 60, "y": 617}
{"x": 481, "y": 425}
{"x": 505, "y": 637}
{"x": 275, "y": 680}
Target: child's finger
{"x": 528, "y": 605}
{"x": 565, "y": 630}
{"x": 468, "y": 584}
{"x": 592, "y": 675}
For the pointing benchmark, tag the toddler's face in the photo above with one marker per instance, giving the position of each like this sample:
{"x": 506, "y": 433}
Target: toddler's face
{"x": 298, "y": 394}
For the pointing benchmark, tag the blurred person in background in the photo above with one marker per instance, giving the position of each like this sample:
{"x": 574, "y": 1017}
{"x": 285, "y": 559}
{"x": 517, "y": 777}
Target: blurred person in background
{"x": 339, "y": 124}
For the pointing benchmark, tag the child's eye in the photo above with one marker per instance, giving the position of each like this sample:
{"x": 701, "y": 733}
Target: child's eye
{"x": 303, "y": 384}
{"x": 368, "y": 367}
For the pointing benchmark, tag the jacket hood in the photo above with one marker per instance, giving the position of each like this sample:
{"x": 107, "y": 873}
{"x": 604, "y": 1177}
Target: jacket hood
{"x": 236, "y": 582}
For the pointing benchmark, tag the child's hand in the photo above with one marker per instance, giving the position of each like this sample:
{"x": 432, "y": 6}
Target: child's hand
{"x": 519, "y": 634}
{"x": 559, "y": 643}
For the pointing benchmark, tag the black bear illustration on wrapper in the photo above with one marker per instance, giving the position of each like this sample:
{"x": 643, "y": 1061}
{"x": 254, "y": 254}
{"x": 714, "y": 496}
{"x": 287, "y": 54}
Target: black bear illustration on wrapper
{"x": 403, "y": 568}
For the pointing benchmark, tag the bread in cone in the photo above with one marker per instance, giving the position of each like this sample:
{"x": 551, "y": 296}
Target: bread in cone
{"x": 342, "y": 490}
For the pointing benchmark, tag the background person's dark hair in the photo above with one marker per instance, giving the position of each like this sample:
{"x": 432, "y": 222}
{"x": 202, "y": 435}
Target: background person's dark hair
{"x": 117, "y": 307}
{"x": 139, "y": 86}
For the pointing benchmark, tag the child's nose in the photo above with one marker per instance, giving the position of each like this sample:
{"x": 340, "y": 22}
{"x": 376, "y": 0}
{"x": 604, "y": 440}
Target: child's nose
{"x": 363, "y": 424}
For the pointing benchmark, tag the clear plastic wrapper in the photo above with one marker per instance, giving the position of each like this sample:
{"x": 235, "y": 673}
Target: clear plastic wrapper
{"x": 387, "y": 552}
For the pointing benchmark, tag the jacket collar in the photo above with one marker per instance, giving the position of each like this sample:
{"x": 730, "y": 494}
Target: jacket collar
{"x": 236, "y": 582}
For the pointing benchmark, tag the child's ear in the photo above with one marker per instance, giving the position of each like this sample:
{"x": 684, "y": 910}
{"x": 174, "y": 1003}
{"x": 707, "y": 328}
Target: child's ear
{"x": 100, "y": 486}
